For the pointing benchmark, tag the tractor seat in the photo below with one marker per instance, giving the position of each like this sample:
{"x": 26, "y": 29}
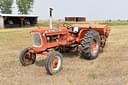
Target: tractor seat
{"x": 74, "y": 29}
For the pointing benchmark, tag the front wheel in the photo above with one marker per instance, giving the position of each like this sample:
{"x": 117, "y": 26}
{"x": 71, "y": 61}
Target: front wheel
{"x": 54, "y": 62}
{"x": 26, "y": 57}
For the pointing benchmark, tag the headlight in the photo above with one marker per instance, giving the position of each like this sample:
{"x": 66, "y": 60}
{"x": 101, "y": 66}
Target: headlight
{"x": 36, "y": 39}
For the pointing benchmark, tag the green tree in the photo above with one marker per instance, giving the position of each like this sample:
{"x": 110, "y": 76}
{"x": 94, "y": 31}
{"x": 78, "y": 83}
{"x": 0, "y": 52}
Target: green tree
{"x": 6, "y": 6}
{"x": 24, "y": 6}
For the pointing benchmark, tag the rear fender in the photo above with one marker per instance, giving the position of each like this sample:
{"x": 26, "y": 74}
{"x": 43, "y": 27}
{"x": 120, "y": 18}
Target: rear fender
{"x": 81, "y": 34}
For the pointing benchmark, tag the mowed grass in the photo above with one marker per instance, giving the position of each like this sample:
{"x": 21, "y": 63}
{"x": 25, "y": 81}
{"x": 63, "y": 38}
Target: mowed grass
{"x": 11, "y": 42}
{"x": 14, "y": 38}
{"x": 119, "y": 27}
{"x": 110, "y": 68}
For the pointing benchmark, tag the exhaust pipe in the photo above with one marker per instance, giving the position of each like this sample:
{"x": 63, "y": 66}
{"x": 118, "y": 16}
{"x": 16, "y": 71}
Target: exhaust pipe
{"x": 50, "y": 18}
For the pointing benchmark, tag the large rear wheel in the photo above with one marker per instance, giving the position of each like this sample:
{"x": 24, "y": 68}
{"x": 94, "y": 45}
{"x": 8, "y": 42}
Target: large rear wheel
{"x": 54, "y": 62}
{"x": 90, "y": 45}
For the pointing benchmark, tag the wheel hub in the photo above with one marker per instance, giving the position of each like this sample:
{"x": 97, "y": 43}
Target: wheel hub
{"x": 28, "y": 58}
{"x": 54, "y": 63}
{"x": 93, "y": 46}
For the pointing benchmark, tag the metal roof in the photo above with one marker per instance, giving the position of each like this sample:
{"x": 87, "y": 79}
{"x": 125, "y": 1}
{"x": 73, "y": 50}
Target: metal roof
{"x": 17, "y": 15}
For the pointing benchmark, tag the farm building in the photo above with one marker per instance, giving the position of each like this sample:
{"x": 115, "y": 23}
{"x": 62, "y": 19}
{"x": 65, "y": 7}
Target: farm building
{"x": 75, "y": 19}
{"x": 9, "y": 20}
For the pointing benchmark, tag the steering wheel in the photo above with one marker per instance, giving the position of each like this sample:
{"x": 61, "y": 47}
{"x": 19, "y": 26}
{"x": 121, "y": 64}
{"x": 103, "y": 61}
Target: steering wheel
{"x": 67, "y": 25}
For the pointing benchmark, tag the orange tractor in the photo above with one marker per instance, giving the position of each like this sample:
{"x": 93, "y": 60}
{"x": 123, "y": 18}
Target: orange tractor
{"x": 51, "y": 41}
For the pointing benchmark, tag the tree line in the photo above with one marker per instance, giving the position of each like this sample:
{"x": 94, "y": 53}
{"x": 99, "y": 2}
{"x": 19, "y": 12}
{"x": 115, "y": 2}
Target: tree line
{"x": 24, "y": 6}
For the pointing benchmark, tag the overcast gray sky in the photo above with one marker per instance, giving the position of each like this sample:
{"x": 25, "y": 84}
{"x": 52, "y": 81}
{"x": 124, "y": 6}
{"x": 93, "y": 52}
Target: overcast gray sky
{"x": 92, "y": 9}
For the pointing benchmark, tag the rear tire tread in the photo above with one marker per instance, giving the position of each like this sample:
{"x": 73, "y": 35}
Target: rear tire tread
{"x": 85, "y": 44}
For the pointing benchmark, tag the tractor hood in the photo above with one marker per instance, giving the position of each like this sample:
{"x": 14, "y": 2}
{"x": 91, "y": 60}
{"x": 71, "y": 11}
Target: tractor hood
{"x": 47, "y": 30}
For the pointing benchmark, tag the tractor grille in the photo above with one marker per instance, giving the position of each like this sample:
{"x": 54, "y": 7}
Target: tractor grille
{"x": 36, "y": 39}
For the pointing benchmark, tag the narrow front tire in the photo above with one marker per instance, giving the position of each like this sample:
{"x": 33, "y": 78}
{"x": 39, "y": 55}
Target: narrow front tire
{"x": 53, "y": 63}
{"x": 26, "y": 57}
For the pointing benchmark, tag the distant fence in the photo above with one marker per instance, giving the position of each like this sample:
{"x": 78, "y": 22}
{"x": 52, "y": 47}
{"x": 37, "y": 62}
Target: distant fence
{"x": 115, "y": 22}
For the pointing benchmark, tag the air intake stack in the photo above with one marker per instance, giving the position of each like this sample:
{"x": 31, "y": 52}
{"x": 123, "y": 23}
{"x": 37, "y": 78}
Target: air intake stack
{"x": 50, "y": 18}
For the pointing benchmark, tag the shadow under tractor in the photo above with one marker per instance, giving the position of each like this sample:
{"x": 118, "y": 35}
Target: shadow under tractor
{"x": 51, "y": 41}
